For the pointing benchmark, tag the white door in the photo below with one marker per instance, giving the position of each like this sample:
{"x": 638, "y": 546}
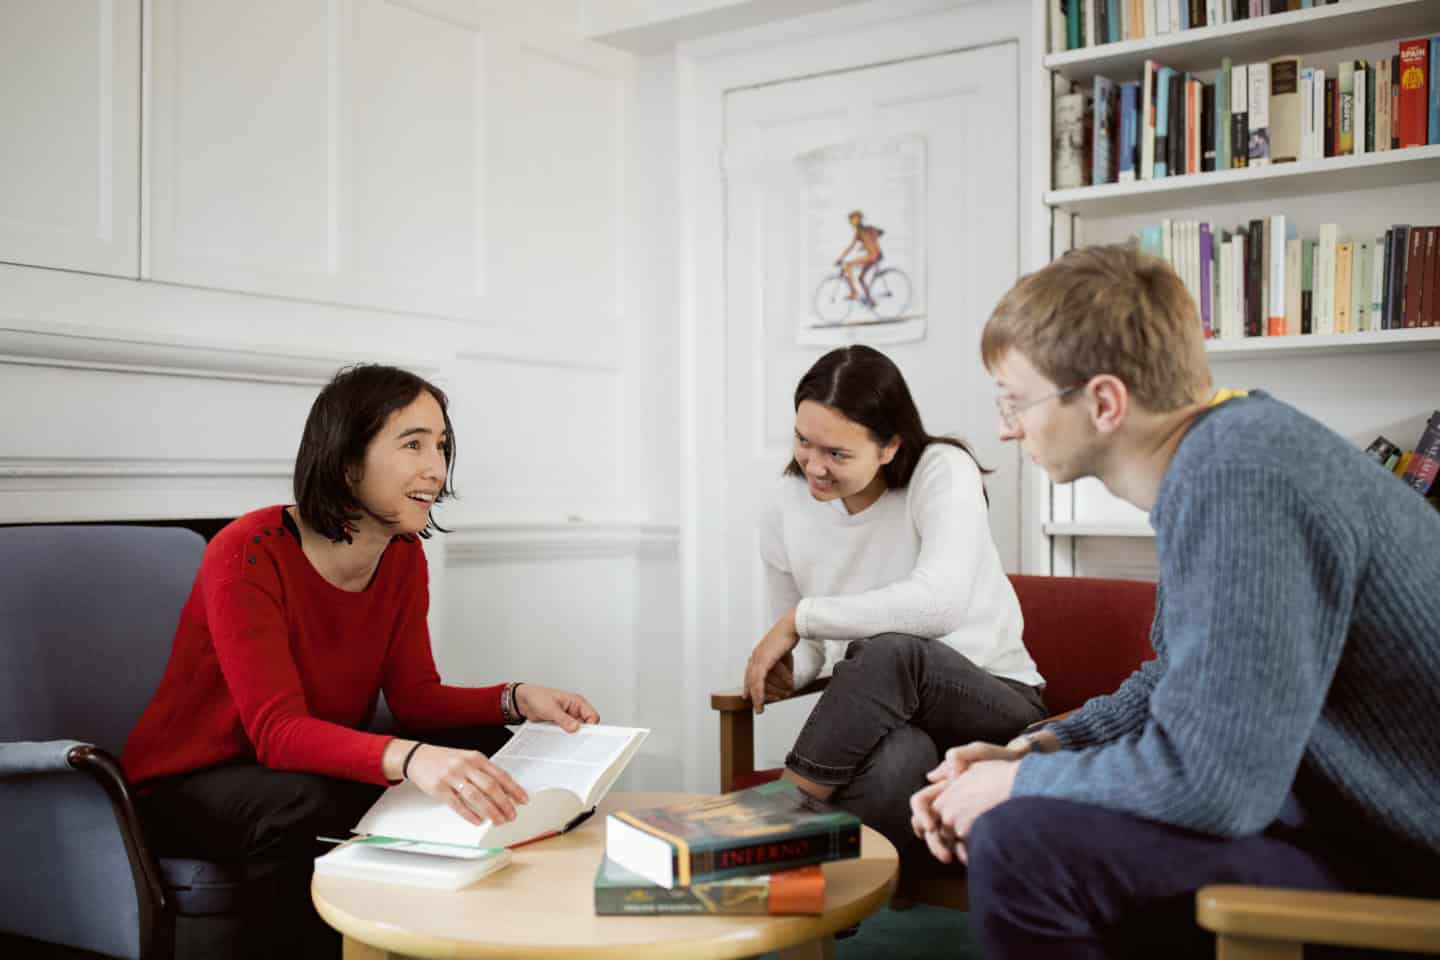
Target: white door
{"x": 70, "y": 127}
{"x": 959, "y": 111}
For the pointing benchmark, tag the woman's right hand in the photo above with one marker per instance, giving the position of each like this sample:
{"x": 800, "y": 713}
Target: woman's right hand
{"x": 767, "y": 657}
{"x": 466, "y": 782}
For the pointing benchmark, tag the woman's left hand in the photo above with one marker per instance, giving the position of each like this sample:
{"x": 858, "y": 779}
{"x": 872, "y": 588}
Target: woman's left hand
{"x": 560, "y": 707}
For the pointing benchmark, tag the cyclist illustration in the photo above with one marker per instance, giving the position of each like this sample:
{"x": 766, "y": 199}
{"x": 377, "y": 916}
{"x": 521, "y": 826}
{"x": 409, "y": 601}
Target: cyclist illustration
{"x": 867, "y": 238}
{"x": 882, "y": 290}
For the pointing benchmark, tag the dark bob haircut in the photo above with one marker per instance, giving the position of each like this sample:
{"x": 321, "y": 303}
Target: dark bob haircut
{"x": 863, "y": 385}
{"x": 343, "y": 420}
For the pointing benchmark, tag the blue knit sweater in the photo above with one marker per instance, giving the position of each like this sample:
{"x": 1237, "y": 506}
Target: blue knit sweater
{"x": 1297, "y": 633}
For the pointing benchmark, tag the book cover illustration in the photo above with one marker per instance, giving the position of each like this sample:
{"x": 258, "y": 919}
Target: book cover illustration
{"x": 775, "y": 825}
{"x": 620, "y": 892}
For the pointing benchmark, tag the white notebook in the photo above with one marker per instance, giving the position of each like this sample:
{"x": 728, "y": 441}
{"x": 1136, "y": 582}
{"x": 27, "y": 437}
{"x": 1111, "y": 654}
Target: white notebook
{"x": 383, "y": 860}
{"x": 565, "y": 775}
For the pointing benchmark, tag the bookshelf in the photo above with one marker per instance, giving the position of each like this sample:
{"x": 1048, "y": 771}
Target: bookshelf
{"x": 1360, "y": 384}
{"x": 1390, "y": 168}
{"x": 1319, "y": 29}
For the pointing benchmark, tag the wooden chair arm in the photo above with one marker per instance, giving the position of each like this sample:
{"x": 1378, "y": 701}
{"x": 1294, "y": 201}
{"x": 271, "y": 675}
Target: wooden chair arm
{"x": 728, "y": 700}
{"x": 737, "y": 730}
{"x": 1271, "y": 922}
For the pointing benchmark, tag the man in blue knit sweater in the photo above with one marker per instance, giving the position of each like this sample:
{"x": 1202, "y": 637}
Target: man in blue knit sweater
{"x": 1284, "y": 734}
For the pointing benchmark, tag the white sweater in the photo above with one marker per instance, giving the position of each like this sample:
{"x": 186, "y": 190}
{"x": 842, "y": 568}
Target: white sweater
{"x": 919, "y": 561}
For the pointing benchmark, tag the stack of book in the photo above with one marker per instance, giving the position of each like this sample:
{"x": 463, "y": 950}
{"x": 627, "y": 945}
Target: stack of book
{"x": 1168, "y": 123}
{"x": 1419, "y": 468}
{"x": 753, "y": 851}
{"x": 1262, "y": 279}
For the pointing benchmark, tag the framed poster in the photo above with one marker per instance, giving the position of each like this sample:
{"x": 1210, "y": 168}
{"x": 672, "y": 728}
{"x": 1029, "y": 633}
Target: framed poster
{"x": 862, "y": 276}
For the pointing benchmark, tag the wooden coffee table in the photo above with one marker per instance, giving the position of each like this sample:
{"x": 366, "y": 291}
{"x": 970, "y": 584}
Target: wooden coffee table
{"x": 542, "y": 905}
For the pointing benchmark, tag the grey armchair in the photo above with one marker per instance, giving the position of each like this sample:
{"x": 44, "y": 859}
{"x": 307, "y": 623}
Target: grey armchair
{"x": 87, "y": 615}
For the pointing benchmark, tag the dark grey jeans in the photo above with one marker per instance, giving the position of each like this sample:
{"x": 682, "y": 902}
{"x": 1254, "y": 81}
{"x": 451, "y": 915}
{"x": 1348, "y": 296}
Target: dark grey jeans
{"x": 894, "y": 705}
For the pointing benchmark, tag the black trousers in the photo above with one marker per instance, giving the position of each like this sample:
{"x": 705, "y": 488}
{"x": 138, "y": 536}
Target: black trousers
{"x": 1056, "y": 878}
{"x": 247, "y": 813}
{"x": 894, "y": 705}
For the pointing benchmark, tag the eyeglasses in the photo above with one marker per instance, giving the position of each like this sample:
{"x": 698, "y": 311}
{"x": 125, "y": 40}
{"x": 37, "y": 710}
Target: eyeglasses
{"x": 1011, "y": 413}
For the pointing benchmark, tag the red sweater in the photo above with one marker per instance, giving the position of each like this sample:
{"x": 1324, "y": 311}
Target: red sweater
{"x": 272, "y": 663}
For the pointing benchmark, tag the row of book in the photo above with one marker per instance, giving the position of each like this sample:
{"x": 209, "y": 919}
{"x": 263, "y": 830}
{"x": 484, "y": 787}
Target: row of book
{"x": 751, "y": 851}
{"x": 1261, "y": 279}
{"x": 1075, "y": 24}
{"x": 1170, "y": 123}
{"x": 1419, "y": 468}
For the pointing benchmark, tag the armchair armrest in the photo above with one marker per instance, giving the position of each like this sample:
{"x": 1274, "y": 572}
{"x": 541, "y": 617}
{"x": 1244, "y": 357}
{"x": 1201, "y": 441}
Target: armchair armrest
{"x": 1274, "y": 923}
{"x": 21, "y": 757}
{"x": 737, "y": 730}
{"x": 34, "y": 773}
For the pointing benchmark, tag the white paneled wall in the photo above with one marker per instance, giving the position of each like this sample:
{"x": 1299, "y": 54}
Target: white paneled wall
{"x": 71, "y": 189}
{"x": 441, "y": 184}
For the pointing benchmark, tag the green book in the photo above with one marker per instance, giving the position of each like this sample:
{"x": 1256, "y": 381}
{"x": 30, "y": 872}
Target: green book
{"x": 1307, "y": 286}
{"x": 618, "y": 892}
{"x": 1360, "y": 284}
{"x": 771, "y": 827}
{"x": 1222, "y": 115}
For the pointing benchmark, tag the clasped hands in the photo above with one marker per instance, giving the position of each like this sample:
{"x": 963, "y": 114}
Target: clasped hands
{"x": 971, "y": 780}
{"x": 467, "y": 781}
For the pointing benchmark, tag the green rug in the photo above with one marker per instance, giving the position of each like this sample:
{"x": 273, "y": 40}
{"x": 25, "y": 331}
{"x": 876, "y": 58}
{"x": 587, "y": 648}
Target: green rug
{"x": 920, "y": 933}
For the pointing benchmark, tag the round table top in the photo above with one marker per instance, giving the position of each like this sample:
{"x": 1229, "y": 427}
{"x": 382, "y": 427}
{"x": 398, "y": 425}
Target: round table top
{"x": 543, "y": 905}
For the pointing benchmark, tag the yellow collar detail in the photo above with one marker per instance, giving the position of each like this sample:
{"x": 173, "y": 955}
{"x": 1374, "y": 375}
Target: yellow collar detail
{"x": 1221, "y": 395}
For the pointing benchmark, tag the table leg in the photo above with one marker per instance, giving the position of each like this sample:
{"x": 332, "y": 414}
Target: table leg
{"x": 355, "y": 950}
{"x": 821, "y": 949}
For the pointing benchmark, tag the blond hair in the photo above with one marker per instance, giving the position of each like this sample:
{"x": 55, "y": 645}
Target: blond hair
{"x": 1106, "y": 309}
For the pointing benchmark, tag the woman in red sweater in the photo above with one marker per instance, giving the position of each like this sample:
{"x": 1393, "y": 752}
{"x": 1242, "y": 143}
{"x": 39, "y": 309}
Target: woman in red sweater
{"x": 255, "y": 741}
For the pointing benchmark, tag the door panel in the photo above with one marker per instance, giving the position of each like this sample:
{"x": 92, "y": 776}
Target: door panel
{"x": 965, "y": 107}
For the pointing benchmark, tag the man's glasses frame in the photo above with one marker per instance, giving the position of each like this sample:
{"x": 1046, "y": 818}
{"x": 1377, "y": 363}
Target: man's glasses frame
{"x": 1010, "y": 413}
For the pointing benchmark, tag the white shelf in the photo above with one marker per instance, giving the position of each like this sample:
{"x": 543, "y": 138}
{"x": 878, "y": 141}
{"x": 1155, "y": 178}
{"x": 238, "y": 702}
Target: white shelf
{"x": 1315, "y": 345}
{"x": 1386, "y": 168}
{"x": 1096, "y": 530}
{"x": 1349, "y": 23}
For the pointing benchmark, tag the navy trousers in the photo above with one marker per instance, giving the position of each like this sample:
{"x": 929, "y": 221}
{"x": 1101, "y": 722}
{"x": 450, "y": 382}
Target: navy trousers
{"x": 1055, "y": 878}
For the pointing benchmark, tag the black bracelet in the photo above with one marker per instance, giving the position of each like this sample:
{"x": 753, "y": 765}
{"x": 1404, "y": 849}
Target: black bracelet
{"x": 405, "y": 767}
{"x": 515, "y": 700}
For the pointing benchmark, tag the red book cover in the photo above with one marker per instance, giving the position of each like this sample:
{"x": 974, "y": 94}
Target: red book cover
{"x": 1414, "y": 277}
{"x": 1414, "y": 92}
{"x": 1431, "y": 297}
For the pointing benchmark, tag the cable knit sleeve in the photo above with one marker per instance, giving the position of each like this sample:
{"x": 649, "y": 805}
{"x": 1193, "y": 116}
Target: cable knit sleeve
{"x": 1261, "y": 583}
{"x": 947, "y": 506}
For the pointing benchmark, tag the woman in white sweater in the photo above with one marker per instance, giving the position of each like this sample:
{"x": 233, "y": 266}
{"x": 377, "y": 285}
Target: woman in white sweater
{"x": 881, "y": 572}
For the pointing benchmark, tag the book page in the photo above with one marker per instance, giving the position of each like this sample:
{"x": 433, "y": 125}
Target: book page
{"x": 541, "y": 756}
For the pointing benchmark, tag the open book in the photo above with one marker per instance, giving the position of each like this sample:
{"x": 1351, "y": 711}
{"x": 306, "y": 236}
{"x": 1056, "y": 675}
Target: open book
{"x": 565, "y": 774}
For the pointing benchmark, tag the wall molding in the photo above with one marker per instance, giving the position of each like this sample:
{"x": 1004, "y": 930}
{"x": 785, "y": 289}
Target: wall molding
{"x": 90, "y": 349}
{"x": 480, "y": 543}
{"x": 52, "y": 468}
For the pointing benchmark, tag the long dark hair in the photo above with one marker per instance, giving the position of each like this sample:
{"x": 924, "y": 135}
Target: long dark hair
{"x": 863, "y": 385}
{"x": 343, "y": 420}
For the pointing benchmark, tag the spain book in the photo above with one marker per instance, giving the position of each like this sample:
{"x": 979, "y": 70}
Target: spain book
{"x": 619, "y": 892}
{"x": 775, "y": 826}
